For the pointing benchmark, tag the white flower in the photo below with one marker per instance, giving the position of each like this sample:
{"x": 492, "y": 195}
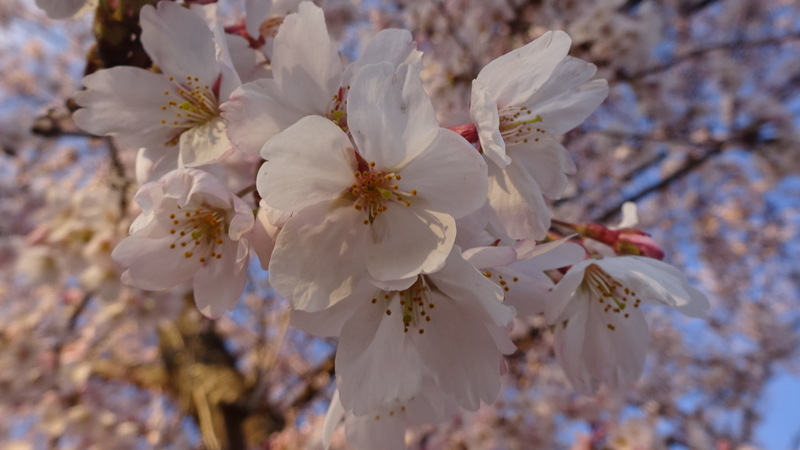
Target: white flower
{"x": 178, "y": 107}
{"x": 308, "y": 79}
{"x": 520, "y": 102}
{"x": 450, "y": 325}
{"x": 385, "y": 427}
{"x": 65, "y": 9}
{"x": 385, "y": 208}
{"x": 519, "y": 270}
{"x": 191, "y": 226}
{"x": 605, "y": 335}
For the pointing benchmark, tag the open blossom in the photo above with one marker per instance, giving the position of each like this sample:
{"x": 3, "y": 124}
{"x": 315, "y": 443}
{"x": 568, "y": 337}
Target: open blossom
{"x": 520, "y": 103}
{"x": 178, "y": 107}
{"x": 604, "y": 339}
{"x": 450, "y": 325}
{"x": 383, "y": 209}
{"x": 308, "y": 79}
{"x": 191, "y": 226}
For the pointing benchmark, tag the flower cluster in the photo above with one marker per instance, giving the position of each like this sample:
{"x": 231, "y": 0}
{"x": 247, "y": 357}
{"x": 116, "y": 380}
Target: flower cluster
{"x": 414, "y": 244}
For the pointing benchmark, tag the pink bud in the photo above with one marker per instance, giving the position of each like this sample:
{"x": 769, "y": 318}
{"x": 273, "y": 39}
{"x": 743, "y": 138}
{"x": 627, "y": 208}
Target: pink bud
{"x": 635, "y": 242}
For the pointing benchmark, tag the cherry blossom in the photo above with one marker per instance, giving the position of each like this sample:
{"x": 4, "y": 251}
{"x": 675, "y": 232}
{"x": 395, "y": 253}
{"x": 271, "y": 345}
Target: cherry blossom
{"x": 385, "y": 208}
{"x": 521, "y": 102}
{"x": 450, "y": 325}
{"x": 308, "y": 79}
{"x": 191, "y": 226}
{"x": 601, "y": 334}
{"x": 180, "y": 106}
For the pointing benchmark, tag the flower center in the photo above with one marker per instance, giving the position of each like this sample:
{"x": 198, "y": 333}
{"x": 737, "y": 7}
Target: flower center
{"x": 609, "y": 292}
{"x": 269, "y": 27}
{"x": 198, "y": 232}
{"x": 191, "y": 105}
{"x": 499, "y": 280}
{"x": 374, "y": 190}
{"x": 413, "y": 304}
{"x": 516, "y": 125}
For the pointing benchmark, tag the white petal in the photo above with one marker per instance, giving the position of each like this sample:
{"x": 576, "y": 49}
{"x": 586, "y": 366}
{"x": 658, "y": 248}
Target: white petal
{"x": 329, "y": 321}
{"x": 125, "y": 102}
{"x": 548, "y": 162}
{"x": 483, "y": 112}
{"x": 204, "y": 144}
{"x": 630, "y": 217}
{"x": 375, "y": 362}
{"x": 311, "y": 161}
{"x": 390, "y": 116}
{"x": 392, "y": 45}
{"x": 256, "y": 112}
{"x": 448, "y": 175}
{"x": 551, "y": 255}
{"x": 218, "y": 285}
{"x": 404, "y": 242}
{"x": 305, "y": 63}
{"x": 517, "y": 203}
{"x": 562, "y": 301}
{"x": 152, "y": 164}
{"x": 487, "y": 257}
{"x": 179, "y": 42}
{"x": 515, "y": 76}
{"x": 527, "y": 292}
{"x": 460, "y": 353}
{"x": 319, "y": 256}
{"x": 152, "y": 264}
{"x": 263, "y": 238}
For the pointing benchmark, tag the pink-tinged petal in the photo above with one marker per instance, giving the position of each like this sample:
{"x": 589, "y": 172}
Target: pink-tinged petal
{"x": 449, "y": 176}
{"x": 229, "y": 79}
{"x": 483, "y": 112}
{"x": 564, "y": 101}
{"x": 152, "y": 264}
{"x": 472, "y": 291}
{"x": 329, "y": 321}
{"x": 517, "y": 202}
{"x": 562, "y": 300}
{"x": 375, "y": 363}
{"x": 179, "y": 42}
{"x": 305, "y": 62}
{"x": 219, "y": 283}
{"x": 263, "y": 238}
{"x": 472, "y": 229}
{"x": 311, "y": 161}
{"x": 515, "y": 76}
{"x": 390, "y": 116}
{"x": 657, "y": 282}
{"x": 460, "y": 353}
{"x": 391, "y": 45}
{"x": 551, "y": 255}
{"x": 248, "y": 62}
{"x": 154, "y": 163}
{"x": 527, "y": 295}
{"x": 195, "y": 187}
{"x": 125, "y": 102}
{"x": 548, "y": 162}
{"x": 404, "y": 242}
{"x": 333, "y": 417}
{"x": 204, "y": 144}
{"x": 256, "y": 11}
{"x": 318, "y": 257}
{"x": 62, "y": 9}
{"x": 256, "y": 112}
{"x": 487, "y": 257}
{"x": 431, "y": 406}
{"x": 376, "y": 429}
{"x": 395, "y": 285}
{"x": 592, "y": 352}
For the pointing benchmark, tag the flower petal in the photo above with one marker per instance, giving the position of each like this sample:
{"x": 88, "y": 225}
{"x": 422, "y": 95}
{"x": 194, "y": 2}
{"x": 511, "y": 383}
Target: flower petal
{"x": 392, "y": 45}
{"x": 152, "y": 264}
{"x": 318, "y": 258}
{"x": 179, "y": 42}
{"x": 483, "y": 112}
{"x": 219, "y": 283}
{"x": 329, "y": 321}
{"x": 125, "y": 102}
{"x": 404, "y": 242}
{"x": 548, "y": 162}
{"x": 517, "y": 202}
{"x": 204, "y": 144}
{"x": 311, "y": 161}
{"x": 390, "y": 116}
